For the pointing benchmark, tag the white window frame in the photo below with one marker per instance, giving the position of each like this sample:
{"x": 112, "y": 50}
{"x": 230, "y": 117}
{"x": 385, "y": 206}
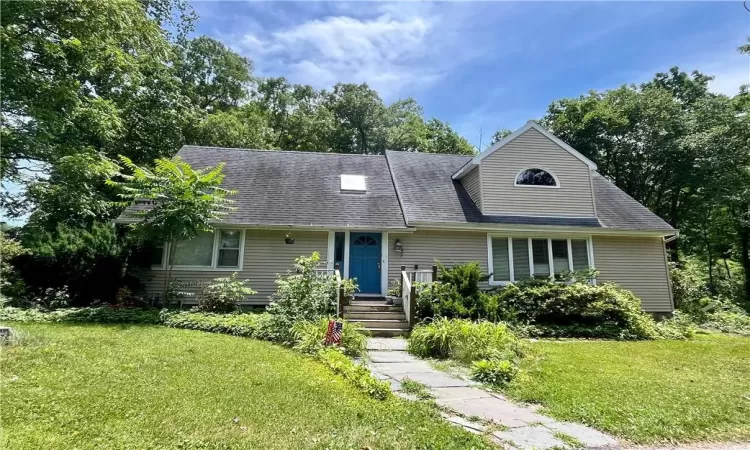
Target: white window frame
{"x": 550, "y": 257}
{"x": 214, "y": 255}
{"x": 557, "y": 180}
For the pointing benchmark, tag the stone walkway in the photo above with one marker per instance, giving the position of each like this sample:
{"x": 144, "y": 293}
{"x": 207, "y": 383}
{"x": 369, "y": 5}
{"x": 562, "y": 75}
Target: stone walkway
{"x": 479, "y": 411}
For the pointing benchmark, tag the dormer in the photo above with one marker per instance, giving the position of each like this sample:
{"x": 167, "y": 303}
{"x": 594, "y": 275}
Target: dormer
{"x": 530, "y": 172}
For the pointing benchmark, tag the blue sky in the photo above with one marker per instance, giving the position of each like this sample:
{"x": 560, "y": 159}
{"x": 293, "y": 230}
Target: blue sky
{"x": 483, "y": 65}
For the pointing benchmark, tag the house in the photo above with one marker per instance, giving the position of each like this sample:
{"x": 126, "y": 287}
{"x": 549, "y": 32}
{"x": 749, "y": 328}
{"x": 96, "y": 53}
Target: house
{"x": 529, "y": 205}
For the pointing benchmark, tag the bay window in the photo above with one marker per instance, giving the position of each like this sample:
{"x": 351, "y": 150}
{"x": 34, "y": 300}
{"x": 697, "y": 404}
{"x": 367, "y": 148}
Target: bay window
{"x": 221, "y": 249}
{"x": 513, "y": 259}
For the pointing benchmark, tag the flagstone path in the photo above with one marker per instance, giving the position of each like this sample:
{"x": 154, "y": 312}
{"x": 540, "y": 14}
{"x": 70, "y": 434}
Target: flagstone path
{"x": 521, "y": 427}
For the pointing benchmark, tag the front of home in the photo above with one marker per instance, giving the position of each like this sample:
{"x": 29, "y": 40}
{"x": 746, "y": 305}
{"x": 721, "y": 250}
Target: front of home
{"x": 528, "y": 206}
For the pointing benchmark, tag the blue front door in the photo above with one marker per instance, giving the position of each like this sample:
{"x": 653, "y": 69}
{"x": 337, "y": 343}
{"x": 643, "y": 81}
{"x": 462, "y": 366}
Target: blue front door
{"x": 364, "y": 261}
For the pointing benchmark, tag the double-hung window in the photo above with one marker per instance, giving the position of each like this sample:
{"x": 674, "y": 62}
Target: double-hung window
{"x": 218, "y": 250}
{"x": 516, "y": 258}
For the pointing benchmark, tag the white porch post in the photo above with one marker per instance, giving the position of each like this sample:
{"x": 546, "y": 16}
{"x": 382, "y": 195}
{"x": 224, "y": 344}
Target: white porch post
{"x": 330, "y": 257}
{"x": 384, "y": 263}
{"x": 346, "y": 254}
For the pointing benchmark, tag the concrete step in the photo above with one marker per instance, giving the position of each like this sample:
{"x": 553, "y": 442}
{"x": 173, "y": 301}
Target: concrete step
{"x": 361, "y": 302}
{"x": 388, "y": 332}
{"x": 381, "y": 323}
{"x": 359, "y": 307}
{"x": 372, "y": 315}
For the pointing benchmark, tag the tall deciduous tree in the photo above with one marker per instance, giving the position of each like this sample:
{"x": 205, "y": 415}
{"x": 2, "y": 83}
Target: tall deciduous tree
{"x": 214, "y": 77}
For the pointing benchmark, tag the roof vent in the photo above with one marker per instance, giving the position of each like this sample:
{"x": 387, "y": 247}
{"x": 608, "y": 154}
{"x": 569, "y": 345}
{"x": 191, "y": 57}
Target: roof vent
{"x": 353, "y": 183}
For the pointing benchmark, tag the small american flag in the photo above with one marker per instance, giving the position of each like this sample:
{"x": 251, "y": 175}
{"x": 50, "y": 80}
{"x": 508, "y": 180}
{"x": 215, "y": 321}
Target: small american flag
{"x": 333, "y": 335}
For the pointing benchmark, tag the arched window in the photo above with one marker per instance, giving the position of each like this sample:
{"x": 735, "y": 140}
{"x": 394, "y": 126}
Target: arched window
{"x": 536, "y": 177}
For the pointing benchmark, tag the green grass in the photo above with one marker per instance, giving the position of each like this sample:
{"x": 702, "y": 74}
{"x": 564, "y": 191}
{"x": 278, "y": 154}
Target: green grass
{"x": 646, "y": 392}
{"x": 107, "y": 387}
{"x": 417, "y": 389}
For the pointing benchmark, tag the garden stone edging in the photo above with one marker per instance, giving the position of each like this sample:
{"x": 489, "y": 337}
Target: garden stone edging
{"x": 524, "y": 427}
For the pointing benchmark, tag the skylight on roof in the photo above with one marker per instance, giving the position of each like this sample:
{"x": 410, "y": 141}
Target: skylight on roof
{"x": 354, "y": 183}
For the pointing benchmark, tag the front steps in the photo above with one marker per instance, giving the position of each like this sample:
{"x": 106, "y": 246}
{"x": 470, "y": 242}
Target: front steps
{"x": 379, "y": 319}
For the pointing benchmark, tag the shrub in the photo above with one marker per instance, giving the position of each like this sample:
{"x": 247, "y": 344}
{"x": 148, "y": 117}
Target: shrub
{"x": 465, "y": 277}
{"x": 464, "y": 340}
{"x": 728, "y": 322}
{"x": 715, "y": 314}
{"x": 577, "y": 310}
{"x": 440, "y": 299}
{"x": 356, "y": 374}
{"x": 498, "y": 372}
{"x": 302, "y": 294}
{"x": 224, "y": 294}
{"x": 679, "y": 326}
{"x": 310, "y": 337}
{"x": 102, "y": 314}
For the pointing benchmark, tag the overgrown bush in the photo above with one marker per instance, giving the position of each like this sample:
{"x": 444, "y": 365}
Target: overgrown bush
{"x": 465, "y": 277}
{"x": 714, "y": 314}
{"x": 691, "y": 282}
{"x": 72, "y": 266}
{"x": 310, "y": 337}
{"x": 224, "y": 294}
{"x": 577, "y": 310}
{"x": 102, "y": 314}
{"x": 498, "y": 372}
{"x": 679, "y": 326}
{"x": 356, "y": 374}
{"x": 464, "y": 340}
{"x": 302, "y": 294}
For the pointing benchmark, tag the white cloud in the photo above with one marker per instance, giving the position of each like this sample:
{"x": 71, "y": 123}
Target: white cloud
{"x": 729, "y": 76}
{"x": 389, "y": 53}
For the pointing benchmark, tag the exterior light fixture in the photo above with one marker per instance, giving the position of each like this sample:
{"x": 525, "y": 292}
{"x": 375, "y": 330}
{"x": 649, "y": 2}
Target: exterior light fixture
{"x": 398, "y": 246}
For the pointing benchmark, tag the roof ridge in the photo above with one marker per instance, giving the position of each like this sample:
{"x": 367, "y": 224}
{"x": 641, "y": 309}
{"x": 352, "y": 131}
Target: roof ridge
{"x": 269, "y": 150}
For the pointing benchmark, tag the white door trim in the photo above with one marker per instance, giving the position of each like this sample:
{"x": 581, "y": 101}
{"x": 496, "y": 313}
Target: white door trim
{"x": 384, "y": 245}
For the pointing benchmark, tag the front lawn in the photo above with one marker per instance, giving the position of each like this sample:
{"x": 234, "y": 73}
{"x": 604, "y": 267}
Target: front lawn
{"x": 96, "y": 386}
{"x": 646, "y": 392}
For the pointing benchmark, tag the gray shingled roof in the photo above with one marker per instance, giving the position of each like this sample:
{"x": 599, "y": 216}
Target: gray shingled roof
{"x": 616, "y": 209}
{"x": 302, "y": 188}
{"x": 428, "y": 194}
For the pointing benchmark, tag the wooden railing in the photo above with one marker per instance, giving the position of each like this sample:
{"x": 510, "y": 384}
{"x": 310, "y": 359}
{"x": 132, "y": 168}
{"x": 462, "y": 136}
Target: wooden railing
{"x": 409, "y": 278}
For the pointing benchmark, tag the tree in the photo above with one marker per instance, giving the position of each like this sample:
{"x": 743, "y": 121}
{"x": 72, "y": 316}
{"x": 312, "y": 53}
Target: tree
{"x": 675, "y": 147}
{"x": 72, "y": 73}
{"x": 214, "y": 77}
{"x": 360, "y": 117}
{"x": 181, "y": 201}
{"x": 296, "y": 114}
{"x": 499, "y": 135}
{"x": 245, "y": 127}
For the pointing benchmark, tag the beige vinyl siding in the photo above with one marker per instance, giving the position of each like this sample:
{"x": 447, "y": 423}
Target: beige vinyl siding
{"x": 473, "y": 186}
{"x": 534, "y": 150}
{"x": 265, "y": 255}
{"x": 425, "y": 247}
{"x": 637, "y": 264}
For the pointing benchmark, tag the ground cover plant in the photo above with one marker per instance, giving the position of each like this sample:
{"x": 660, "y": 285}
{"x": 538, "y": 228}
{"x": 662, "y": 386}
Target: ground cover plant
{"x": 648, "y": 391}
{"x": 141, "y": 386}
